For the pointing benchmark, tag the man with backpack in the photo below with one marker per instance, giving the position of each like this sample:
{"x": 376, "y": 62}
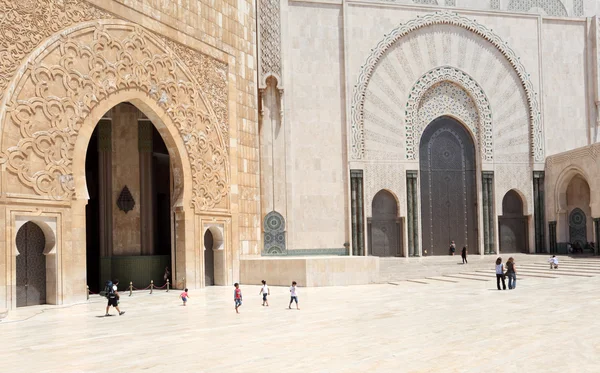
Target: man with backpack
{"x": 112, "y": 294}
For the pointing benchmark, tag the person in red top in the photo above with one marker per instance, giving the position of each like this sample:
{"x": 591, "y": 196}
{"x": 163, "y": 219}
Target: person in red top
{"x": 184, "y": 296}
{"x": 237, "y": 297}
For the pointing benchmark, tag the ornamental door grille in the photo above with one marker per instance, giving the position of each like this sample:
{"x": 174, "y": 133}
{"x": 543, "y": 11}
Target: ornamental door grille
{"x": 209, "y": 259}
{"x": 31, "y": 266}
{"x": 385, "y": 238}
{"x": 448, "y": 187}
{"x": 578, "y": 227}
{"x": 512, "y": 224}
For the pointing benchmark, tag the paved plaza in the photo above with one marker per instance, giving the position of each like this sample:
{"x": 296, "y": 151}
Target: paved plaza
{"x": 441, "y": 324}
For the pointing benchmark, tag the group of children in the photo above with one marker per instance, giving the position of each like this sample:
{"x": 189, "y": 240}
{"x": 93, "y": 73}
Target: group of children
{"x": 264, "y": 290}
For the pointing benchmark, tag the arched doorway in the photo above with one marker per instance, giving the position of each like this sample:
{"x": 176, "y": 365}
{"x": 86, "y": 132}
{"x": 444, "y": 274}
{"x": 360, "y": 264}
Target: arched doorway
{"x": 129, "y": 210}
{"x": 513, "y": 225}
{"x": 209, "y": 259}
{"x": 448, "y": 187}
{"x": 579, "y": 213}
{"x": 31, "y": 265}
{"x": 385, "y": 232}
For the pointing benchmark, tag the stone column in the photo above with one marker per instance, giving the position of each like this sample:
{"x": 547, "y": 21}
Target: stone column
{"x": 412, "y": 213}
{"x": 552, "y": 234}
{"x": 146, "y": 181}
{"x": 358, "y": 227}
{"x": 361, "y": 213}
{"x": 596, "y": 234}
{"x": 105, "y": 199}
{"x": 353, "y": 215}
{"x": 539, "y": 211}
{"x": 488, "y": 212}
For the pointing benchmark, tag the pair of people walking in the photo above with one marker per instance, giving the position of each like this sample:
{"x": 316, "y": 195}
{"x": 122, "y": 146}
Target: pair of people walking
{"x": 510, "y": 271}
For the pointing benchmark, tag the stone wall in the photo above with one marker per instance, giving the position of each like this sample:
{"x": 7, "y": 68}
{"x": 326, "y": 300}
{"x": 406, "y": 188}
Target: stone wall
{"x": 189, "y": 67}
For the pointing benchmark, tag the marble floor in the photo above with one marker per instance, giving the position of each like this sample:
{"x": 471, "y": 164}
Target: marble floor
{"x": 444, "y": 324}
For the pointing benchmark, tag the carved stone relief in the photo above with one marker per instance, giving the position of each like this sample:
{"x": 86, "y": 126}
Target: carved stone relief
{"x": 83, "y": 67}
{"x": 447, "y": 90}
{"x": 514, "y": 176}
{"x": 388, "y": 176}
{"x": 553, "y": 8}
{"x": 26, "y": 23}
{"x": 270, "y": 41}
{"x": 389, "y": 44}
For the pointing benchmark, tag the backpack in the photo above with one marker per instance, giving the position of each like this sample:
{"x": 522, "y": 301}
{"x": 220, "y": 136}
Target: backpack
{"x": 109, "y": 291}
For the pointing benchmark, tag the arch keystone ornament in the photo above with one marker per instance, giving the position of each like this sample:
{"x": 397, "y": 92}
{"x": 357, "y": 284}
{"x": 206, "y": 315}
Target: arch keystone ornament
{"x": 448, "y": 18}
{"x": 86, "y": 66}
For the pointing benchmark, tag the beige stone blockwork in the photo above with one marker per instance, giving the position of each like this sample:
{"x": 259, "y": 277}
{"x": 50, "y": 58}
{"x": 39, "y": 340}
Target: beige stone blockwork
{"x": 310, "y": 271}
{"x": 212, "y": 45}
{"x": 126, "y": 173}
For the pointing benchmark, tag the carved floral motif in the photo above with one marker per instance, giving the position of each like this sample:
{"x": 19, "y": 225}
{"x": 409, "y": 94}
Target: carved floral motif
{"x": 81, "y": 69}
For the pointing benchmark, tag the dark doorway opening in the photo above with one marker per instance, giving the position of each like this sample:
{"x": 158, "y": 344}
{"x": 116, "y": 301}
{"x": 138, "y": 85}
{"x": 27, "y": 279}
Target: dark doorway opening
{"x": 209, "y": 259}
{"x": 512, "y": 225}
{"x": 385, "y": 228}
{"x": 448, "y": 187}
{"x": 122, "y": 135}
{"x": 31, "y": 266}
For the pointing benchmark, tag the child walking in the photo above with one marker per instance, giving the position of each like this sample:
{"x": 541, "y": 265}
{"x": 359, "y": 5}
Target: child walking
{"x": 294, "y": 295}
{"x": 264, "y": 290}
{"x": 237, "y": 297}
{"x": 184, "y": 296}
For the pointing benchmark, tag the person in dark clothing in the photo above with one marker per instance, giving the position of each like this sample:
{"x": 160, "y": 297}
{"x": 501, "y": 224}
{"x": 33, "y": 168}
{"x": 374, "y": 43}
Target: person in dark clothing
{"x": 511, "y": 273}
{"x": 464, "y": 255}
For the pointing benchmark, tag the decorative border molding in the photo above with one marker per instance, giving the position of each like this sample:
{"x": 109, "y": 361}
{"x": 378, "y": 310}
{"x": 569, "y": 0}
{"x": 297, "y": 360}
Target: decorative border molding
{"x": 310, "y": 252}
{"x": 443, "y": 17}
{"x": 484, "y": 131}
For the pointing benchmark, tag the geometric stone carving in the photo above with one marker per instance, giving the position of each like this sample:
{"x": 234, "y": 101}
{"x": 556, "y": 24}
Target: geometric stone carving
{"x": 495, "y": 4}
{"x": 577, "y": 8}
{"x": 270, "y": 42}
{"x": 125, "y": 202}
{"x": 434, "y": 95}
{"x": 72, "y": 74}
{"x": 553, "y": 8}
{"x": 274, "y": 226}
{"x": 441, "y": 18}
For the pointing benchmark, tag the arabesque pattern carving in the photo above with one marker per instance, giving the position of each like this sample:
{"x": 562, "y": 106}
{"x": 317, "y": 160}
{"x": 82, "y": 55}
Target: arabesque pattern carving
{"x": 26, "y": 23}
{"x": 444, "y": 17}
{"x": 80, "y": 69}
{"x": 270, "y": 41}
{"x": 449, "y": 99}
{"x": 213, "y": 81}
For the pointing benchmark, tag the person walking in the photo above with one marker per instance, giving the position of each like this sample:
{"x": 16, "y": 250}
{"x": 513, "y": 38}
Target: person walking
{"x": 511, "y": 272}
{"x": 500, "y": 274}
{"x": 293, "y": 295}
{"x": 184, "y": 296}
{"x": 464, "y": 255}
{"x": 237, "y": 297}
{"x": 452, "y": 248}
{"x": 113, "y": 296}
{"x": 264, "y": 290}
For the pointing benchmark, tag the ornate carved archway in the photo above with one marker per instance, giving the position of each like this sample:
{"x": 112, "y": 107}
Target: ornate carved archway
{"x": 442, "y": 18}
{"x": 87, "y": 67}
{"x": 478, "y": 119}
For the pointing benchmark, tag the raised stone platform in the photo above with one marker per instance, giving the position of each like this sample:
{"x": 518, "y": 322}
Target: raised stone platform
{"x": 310, "y": 271}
